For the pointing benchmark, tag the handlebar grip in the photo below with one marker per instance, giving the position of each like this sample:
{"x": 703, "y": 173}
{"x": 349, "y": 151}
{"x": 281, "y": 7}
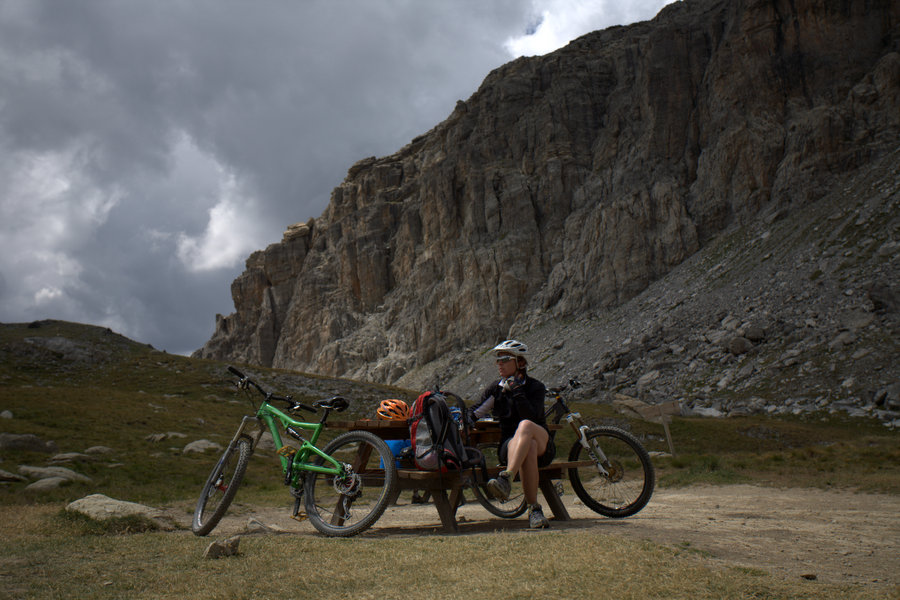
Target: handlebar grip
{"x": 236, "y": 372}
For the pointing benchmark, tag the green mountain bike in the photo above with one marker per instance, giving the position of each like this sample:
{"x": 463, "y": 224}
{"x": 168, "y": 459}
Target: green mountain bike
{"x": 344, "y": 487}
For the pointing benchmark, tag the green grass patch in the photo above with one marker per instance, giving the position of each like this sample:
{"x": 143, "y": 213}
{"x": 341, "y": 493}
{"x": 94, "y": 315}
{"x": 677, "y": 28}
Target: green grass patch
{"x": 692, "y": 469}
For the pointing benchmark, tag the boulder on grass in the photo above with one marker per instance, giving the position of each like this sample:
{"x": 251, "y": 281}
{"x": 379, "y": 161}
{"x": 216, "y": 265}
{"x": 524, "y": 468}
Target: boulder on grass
{"x": 101, "y": 508}
{"x": 46, "y": 484}
{"x": 45, "y": 472}
{"x": 6, "y": 476}
{"x": 201, "y": 446}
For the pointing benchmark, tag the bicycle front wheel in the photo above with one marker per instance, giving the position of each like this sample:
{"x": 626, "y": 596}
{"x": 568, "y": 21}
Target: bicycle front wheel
{"x": 221, "y": 486}
{"x": 618, "y": 486}
{"x": 510, "y": 508}
{"x": 347, "y": 504}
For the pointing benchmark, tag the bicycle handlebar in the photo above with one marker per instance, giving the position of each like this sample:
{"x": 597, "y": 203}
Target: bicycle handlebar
{"x": 245, "y": 381}
{"x": 572, "y": 383}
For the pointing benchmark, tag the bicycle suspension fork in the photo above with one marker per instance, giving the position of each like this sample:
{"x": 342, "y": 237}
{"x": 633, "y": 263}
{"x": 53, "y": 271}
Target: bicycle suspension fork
{"x": 593, "y": 450}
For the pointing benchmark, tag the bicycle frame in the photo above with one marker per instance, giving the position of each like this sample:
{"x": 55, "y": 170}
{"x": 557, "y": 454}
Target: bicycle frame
{"x": 562, "y": 411}
{"x": 269, "y": 417}
{"x": 328, "y": 482}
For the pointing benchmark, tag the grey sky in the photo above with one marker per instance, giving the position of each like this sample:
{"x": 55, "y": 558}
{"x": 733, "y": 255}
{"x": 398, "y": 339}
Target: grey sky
{"x": 147, "y": 148}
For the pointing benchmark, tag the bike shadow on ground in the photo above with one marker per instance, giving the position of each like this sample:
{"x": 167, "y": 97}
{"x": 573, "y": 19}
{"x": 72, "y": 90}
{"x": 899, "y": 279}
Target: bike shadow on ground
{"x": 467, "y": 526}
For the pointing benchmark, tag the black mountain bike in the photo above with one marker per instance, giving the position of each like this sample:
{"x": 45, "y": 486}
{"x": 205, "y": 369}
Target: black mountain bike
{"x": 614, "y": 476}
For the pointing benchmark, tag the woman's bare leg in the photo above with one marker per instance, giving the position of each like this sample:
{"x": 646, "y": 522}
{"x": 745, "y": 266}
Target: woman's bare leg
{"x": 523, "y": 451}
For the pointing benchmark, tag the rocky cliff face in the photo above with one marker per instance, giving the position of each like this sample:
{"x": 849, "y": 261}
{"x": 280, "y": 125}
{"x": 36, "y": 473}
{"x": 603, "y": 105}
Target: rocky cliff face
{"x": 568, "y": 183}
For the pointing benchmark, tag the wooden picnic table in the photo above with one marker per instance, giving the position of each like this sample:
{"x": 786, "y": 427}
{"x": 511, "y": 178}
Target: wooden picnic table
{"x": 446, "y": 488}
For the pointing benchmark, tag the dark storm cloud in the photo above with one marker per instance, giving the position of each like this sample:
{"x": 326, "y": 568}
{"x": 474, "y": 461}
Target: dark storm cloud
{"x": 146, "y": 148}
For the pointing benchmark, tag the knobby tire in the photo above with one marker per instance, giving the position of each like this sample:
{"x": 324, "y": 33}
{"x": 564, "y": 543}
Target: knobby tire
{"x": 628, "y": 486}
{"x": 512, "y": 507}
{"x": 326, "y": 499}
{"x": 220, "y": 487}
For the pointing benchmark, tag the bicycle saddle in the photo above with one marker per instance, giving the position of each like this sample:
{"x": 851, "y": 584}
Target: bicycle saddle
{"x": 337, "y": 403}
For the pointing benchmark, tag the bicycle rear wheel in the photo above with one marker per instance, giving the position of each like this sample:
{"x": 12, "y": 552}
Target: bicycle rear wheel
{"x": 628, "y": 483}
{"x": 510, "y": 508}
{"x": 345, "y": 505}
{"x": 220, "y": 487}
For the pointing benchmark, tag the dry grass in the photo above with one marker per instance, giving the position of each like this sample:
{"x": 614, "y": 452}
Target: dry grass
{"x": 43, "y": 556}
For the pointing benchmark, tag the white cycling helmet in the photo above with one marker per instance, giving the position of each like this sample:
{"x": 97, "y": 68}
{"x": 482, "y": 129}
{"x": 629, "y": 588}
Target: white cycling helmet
{"x": 516, "y": 348}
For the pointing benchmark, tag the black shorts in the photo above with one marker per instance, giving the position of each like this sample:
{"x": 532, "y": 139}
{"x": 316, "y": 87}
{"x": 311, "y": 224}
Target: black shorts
{"x": 543, "y": 460}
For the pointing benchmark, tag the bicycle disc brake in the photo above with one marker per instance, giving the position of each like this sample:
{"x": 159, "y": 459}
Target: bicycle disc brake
{"x": 349, "y": 486}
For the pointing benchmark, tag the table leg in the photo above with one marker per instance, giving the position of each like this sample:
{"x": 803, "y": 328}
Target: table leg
{"x": 553, "y": 500}
{"x": 446, "y": 510}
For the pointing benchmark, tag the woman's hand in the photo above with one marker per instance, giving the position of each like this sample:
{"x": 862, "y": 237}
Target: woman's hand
{"x": 510, "y": 383}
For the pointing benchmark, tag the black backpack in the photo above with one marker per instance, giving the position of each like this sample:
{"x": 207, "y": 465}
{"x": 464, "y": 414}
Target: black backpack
{"x": 435, "y": 435}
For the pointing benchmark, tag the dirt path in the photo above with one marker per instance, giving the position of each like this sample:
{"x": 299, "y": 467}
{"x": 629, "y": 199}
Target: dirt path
{"x": 838, "y": 537}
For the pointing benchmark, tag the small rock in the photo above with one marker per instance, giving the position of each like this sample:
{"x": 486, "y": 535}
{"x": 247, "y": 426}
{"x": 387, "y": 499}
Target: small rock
{"x": 201, "y": 446}
{"x": 739, "y": 345}
{"x": 47, "y": 472}
{"x": 891, "y": 397}
{"x": 884, "y": 298}
{"x": 730, "y": 323}
{"x": 889, "y": 249}
{"x": 703, "y": 411}
{"x": 857, "y": 319}
{"x": 725, "y": 381}
{"x": 809, "y": 576}
{"x": 755, "y": 334}
{"x": 46, "y": 484}
{"x": 69, "y": 457}
{"x": 6, "y": 414}
{"x": 7, "y": 476}
{"x": 648, "y": 378}
{"x": 716, "y": 337}
{"x": 99, "y": 450}
{"x": 843, "y": 339}
{"x": 256, "y": 526}
{"x": 219, "y": 549}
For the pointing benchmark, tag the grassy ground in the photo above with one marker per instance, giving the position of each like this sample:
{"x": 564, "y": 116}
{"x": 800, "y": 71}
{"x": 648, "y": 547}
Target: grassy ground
{"x": 47, "y": 556}
{"x": 126, "y": 392}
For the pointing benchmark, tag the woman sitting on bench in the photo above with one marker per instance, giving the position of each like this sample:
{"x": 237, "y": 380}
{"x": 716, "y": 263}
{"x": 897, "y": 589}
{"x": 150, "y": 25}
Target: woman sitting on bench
{"x": 517, "y": 402}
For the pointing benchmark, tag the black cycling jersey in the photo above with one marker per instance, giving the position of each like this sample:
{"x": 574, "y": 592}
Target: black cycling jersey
{"x": 525, "y": 401}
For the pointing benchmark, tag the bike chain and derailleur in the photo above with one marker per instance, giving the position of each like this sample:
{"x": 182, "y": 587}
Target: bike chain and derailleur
{"x": 349, "y": 486}
{"x": 289, "y": 452}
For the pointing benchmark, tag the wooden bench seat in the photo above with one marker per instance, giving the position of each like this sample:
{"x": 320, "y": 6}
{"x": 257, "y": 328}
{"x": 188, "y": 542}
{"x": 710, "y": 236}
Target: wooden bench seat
{"x": 446, "y": 488}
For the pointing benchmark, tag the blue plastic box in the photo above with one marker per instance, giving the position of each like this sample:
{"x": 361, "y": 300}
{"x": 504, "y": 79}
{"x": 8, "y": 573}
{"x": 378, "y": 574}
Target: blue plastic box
{"x": 396, "y": 447}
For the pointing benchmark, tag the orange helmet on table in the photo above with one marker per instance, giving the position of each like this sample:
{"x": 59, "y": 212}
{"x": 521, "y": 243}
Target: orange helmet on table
{"x": 393, "y": 410}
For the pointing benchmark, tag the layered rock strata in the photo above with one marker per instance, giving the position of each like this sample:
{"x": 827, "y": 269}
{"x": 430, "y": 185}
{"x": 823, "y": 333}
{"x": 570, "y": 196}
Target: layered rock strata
{"x": 569, "y": 182}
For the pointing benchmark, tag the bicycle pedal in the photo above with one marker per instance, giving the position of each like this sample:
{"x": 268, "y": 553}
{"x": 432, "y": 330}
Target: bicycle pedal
{"x": 287, "y": 451}
{"x": 300, "y": 516}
